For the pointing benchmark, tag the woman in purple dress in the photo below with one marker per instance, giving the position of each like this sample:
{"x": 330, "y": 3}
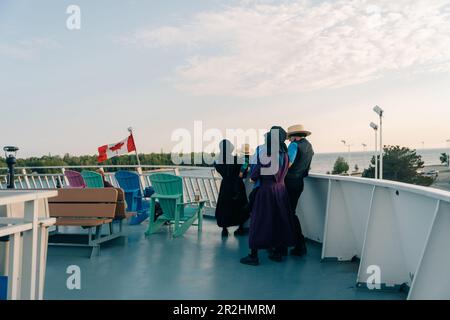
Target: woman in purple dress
{"x": 271, "y": 225}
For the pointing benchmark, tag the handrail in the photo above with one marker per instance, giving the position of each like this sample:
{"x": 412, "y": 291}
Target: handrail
{"x": 401, "y": 186}
{"x": 192, "y": 182}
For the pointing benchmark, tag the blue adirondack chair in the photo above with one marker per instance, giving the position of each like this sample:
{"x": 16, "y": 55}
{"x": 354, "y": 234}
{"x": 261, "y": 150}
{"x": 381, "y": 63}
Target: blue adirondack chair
{"x": 169, "y": 193}
{"x": 93, "y": 179}
{"x": 131, "y": 185}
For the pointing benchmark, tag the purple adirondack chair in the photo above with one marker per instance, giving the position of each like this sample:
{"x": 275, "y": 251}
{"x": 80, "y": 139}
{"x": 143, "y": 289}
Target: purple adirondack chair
{"x": 75, "y": 179}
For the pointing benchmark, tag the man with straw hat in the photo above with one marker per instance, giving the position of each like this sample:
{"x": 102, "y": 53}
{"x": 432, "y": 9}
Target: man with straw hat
{"x": 300, "y": 156}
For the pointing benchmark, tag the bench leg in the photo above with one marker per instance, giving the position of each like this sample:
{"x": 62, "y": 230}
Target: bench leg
{"x": 98, "y": 232}
{"x": 90, "y": 236}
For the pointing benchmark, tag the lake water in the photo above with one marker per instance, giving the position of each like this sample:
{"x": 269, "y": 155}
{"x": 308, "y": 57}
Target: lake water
{"x": 324, "y": 162}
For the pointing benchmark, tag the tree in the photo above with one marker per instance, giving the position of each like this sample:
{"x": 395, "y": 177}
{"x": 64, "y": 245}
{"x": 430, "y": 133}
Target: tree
{"x": 400, "y": 164}
{"x": 340, "y": 166}
{"x": 444, "y": 159}
{"x": 91, "y": 160}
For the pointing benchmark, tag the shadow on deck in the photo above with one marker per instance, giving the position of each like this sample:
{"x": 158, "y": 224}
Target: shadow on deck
{"x": 204, "y": 267}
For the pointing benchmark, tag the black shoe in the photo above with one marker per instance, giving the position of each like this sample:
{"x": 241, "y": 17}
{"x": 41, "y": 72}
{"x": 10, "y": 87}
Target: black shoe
{"x": 276, "y": 256}
{"x": 299, "y": 251}
{"x": 241, "y": 232}
{"x": 251, "y": 261}
{"x": 224, "y": 232}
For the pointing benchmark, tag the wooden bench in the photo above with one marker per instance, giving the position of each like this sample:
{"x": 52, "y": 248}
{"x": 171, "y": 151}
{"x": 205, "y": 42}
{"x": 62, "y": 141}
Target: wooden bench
{"x": 90, "y": 209}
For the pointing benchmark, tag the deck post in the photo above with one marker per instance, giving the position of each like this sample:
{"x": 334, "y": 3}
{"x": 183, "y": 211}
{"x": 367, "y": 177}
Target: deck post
{"x": 29, "y": 261}
{"x": 14, "y": 266}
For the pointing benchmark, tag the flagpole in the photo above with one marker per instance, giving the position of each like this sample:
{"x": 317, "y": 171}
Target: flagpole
{"x": 130, "y": 129}
{"x": 139, "y": 169}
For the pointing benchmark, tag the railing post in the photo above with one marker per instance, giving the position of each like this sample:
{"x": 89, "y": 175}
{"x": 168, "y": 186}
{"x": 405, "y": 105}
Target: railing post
{"x": 25, "y": 177}
{"x": 141, "y": 177}
{"x": 64, "y": 177}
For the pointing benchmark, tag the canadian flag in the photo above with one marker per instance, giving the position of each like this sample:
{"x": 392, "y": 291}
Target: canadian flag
{"x": 116, "y": 149}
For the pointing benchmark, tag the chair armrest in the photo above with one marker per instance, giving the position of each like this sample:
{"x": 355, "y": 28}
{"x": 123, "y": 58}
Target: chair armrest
{"x": 160, "y": 196}
{"x": 201, "y": 201}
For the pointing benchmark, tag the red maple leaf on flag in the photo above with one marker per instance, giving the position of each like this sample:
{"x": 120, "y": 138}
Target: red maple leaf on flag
{"x": 117, "y": 146}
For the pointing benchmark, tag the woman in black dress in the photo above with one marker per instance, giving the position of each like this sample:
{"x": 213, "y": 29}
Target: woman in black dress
{"x": 231, "y": 209}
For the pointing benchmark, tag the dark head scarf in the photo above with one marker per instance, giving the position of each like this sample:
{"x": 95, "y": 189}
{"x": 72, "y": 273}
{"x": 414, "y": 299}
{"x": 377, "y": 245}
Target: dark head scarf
{"x": 226, "y": 148}
{"x": 282, "y": 136}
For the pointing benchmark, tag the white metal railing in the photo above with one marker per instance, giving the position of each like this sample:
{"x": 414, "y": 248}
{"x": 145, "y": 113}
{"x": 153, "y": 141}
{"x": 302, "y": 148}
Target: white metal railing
{"x": 400, "y": 230}
{"x": 24, "y": 220}
{"x": 207, "y": 184}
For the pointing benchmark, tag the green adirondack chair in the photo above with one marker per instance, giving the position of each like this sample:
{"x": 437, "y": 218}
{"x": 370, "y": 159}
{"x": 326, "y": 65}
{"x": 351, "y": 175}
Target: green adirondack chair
{"x": 169, "y": 193}
{"x": 92, "y": 179}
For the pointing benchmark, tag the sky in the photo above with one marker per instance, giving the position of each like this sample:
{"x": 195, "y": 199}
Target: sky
{"x": 159, "y": 66}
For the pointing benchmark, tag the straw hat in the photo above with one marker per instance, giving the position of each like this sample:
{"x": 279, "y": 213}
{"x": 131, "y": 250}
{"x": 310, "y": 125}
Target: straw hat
{"x": 298, "y": 128}
{"x": 245, "y": 149}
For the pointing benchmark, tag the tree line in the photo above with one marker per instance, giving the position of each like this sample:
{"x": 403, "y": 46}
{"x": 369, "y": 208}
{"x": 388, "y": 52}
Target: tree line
{"x": 162, "y": 159}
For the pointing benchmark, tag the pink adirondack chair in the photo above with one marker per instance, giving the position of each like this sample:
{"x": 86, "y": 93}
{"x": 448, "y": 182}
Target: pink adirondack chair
{"x": 75, "y": 179}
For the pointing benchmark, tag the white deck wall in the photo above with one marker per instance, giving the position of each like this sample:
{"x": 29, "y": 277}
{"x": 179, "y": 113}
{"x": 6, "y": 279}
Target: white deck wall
{"x": 402, "y": 229}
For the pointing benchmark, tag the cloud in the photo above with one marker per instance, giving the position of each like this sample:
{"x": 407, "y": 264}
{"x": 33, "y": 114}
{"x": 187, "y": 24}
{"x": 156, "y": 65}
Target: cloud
{"x": 26, "y": 49}
{"x": 267, "y": 48}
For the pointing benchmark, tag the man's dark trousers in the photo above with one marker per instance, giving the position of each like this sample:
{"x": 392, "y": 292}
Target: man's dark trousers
{"x": 295, "y": 188}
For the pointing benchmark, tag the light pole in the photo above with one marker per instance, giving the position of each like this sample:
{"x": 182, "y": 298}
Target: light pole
{"x": 349, "y": 153}
{"x": 375, "y": 129}
{"x": 10, "y": 155}
{"x": 380, "y": 113}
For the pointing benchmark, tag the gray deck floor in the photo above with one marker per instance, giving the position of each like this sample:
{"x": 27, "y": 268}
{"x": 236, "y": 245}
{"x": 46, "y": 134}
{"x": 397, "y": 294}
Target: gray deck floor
{"x": 204, "y": 267}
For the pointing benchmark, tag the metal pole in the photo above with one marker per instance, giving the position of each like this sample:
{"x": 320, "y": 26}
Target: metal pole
{"x": 10, "y": 162}
{"x": 381, "y": 146}
{"x": 130, "y": 129}
{"x": 139, "y": 168}
{"x": 376, "y": 154}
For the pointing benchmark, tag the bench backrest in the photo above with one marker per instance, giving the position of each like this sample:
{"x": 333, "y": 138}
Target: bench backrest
{"x": 84, "y": 203}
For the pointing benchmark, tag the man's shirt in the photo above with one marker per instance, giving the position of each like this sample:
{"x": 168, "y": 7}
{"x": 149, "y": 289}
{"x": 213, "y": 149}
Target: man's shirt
{"x": 292, "y": 151}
